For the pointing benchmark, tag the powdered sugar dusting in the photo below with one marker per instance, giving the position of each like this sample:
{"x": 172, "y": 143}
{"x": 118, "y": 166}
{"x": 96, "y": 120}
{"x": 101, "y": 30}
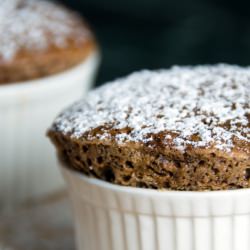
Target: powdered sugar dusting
{"x": 210, "y": 103}
{"x": 34, "y": 25}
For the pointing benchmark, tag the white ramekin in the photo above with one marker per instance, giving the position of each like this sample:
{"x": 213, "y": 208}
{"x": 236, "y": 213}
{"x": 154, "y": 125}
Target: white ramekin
{"x": 112, "y": 217}
{"x": 27, "y": 160}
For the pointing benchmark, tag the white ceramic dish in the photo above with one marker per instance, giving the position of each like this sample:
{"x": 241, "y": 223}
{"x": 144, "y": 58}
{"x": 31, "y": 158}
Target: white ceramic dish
{"x": 112, "y": 217}
{"x": 27, "y": 162}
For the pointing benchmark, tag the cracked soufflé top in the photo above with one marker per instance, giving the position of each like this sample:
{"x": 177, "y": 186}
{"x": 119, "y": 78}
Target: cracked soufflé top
{"x": 179, "y": 115}
{"x": 204, "y": 106}
{"x": 40, "y": 38}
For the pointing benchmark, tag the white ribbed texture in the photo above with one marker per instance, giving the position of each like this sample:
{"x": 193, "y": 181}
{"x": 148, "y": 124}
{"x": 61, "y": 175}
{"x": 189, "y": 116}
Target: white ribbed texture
{"x": 27, "y": 159}
{"x": 110, "y": 217}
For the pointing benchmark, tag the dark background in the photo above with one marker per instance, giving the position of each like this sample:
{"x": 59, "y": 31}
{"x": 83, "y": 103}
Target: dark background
{"x": 137, "y": 34}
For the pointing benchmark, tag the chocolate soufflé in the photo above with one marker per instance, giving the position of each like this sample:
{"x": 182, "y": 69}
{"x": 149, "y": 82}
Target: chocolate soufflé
{"x": 40, "y": 38}
{"x": 185, "y": 128}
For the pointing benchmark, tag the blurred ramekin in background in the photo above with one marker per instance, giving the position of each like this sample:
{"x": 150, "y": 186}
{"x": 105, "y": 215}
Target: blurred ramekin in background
{"x": 109, "y": 216}
{"x": 27, "y": 161}
{"x": 48, "y": 59}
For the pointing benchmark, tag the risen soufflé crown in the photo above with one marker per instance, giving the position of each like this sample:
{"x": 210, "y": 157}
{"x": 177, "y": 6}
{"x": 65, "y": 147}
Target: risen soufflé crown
{"x": 186, "y": 128}
{"x": 40, "y": 38}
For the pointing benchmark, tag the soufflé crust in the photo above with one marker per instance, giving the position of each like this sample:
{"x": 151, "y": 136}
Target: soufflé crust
{"x": 186, "y": 128}
{"x": 40, "y": 38}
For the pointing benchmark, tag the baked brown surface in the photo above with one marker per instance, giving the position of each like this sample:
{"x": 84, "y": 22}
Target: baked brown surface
{"x": 39, "y": 39}
{"x": 185, "y": 128}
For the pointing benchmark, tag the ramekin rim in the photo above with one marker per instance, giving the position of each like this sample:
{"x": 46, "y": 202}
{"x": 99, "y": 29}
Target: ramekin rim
{"x": 29, "y": 84}
{"x": 156, "y": 192}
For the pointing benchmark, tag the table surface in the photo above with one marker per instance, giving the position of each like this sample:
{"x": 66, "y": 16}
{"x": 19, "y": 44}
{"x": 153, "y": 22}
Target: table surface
{"x": 45, "y": 224}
